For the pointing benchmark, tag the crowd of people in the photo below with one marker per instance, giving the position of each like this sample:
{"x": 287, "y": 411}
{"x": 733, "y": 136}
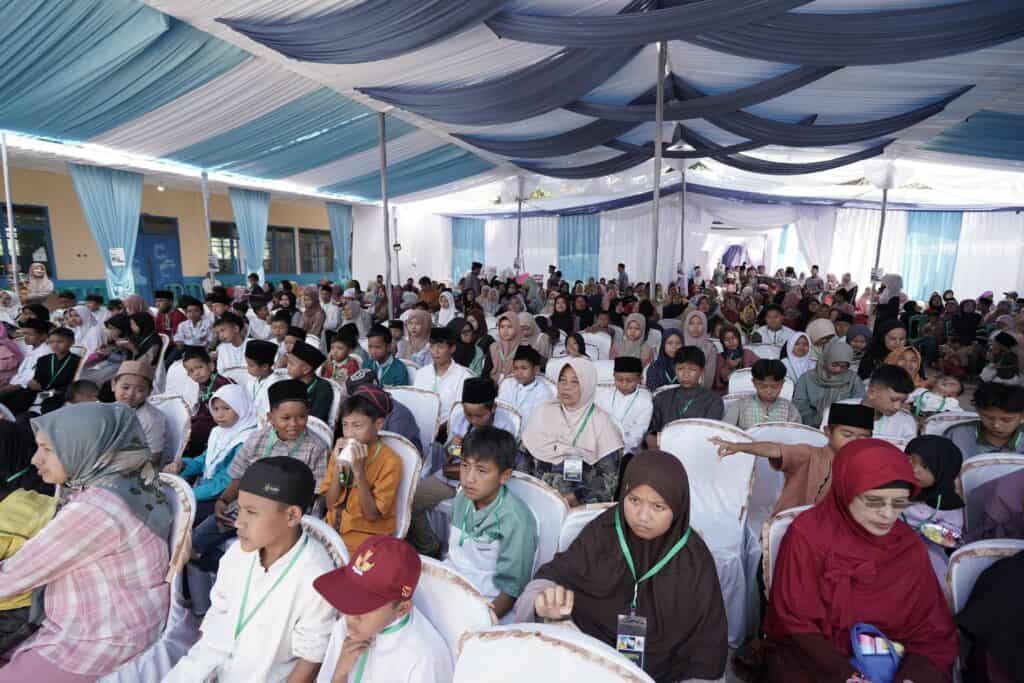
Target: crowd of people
{"x": 85, "y": 526}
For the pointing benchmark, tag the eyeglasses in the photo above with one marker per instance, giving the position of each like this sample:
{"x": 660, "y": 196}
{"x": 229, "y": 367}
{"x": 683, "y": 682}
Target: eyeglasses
{"x": 898, "y": 505}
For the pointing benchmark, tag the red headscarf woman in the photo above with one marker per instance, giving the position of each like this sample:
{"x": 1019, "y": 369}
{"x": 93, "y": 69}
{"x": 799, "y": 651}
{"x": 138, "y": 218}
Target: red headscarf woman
{"x": 852, "y": 559}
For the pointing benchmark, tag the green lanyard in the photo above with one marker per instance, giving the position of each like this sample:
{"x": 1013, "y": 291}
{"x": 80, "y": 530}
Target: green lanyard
{"x": 383, "y": 369}
{"x": 312, "y": 385}
{"x": 682, "y": 412}
{"x": 629, "y": 407}
{"x": 54, "y": 373}
{"x": 361, "y": 666}
{"x": 468, "y": 517}
{"x": 209, "y": 390}
{"x": 142, "y": 342}
{"x": 670, "y": 378}
{"x": 920, "y": 400}
{"x": 273, "y": 442}
{"x": 243, "y": 620}
{"x": 673, "y": 551}
{"x": 586, "y": 419}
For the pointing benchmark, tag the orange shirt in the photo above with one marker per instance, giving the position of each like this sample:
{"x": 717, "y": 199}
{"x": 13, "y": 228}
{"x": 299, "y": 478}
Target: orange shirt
{"x": 808, "y": 471}
{"x": 384, "y": 472}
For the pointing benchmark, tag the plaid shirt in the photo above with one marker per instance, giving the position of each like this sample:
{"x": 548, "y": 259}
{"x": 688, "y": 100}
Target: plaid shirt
{"x": 749, "y": 411}
{"x": 309, "y": 448}
{"x": 106, "y": 598}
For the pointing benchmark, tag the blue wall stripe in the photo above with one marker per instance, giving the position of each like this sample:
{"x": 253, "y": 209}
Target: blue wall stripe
{"x": 467, "y": 245}
{"x": 579, "y": 238}
{"x": 989, "y": 134}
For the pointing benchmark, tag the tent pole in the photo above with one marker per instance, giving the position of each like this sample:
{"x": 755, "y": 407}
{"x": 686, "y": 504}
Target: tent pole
{"x": 382, "y": 129}
{"x": 204, "y": 183}
{"x": 682, "y": 219}
{"x": 881, "y": 231}
{"x": 658, "y": 120}
{"x": 11, "y": 240}
{"x": 519, "y": 225}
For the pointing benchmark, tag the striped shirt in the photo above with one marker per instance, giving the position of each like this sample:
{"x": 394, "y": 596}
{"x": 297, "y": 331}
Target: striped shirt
{"x": 308, "y": 448}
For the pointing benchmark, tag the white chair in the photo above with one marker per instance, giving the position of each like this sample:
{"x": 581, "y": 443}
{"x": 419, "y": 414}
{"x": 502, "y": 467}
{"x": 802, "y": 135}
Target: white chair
{"x": 6, "y": 414}
{"x": 654, "y": 339}
{"x": 605, "y": 371}
{"x": 451, "y": 603}
{"x": 314, "y": 341}
{"x": 322, "y": 532}
{"x": 743, "y": 381}
{"x": 554, "y": 367}
{"x": 576, "y": 520}
{"x": 506, "y": 409}
{"x": 178, "y": 382}
{"x": 769, "y": 351}
{"x": 411, "y": 465}
{"x": 541, "y": 652}
{"x": 425, "y": 406}
{"x": 662, "y": 389}
{"x": 548, "y": 508}
{"x": 238, "y": 375}
{"x": 771, "y": 540}
{"x": 617, "y": 334}
{"x": 601, "y": 343}
{"x": 896, "y": 441}
{"x": 670, "y": 323}
{"x": 410, "y": 367}
{"x": 181, "y": 628}
{"x": 339, "y": 396}
{"x": 980, "y": 470}
{"x": 179, "y": 424}
{"x": 719, "y": 494}
{"x": 160, "y": 379}
{"x": 729, "y": 399}
{"x": 938, "y": 423}
{"x": 320, "y": 429}
{"x": 365, "y": 343}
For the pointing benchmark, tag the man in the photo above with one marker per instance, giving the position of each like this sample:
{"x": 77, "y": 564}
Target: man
{"x": 629, "y": 405}
{"x": 254, "y": 285}
{"x": 473, "y": 279}
{"x": 210, "y": 283}
{"x": 443, "y": 376}
{"x": 623, "y": 278}
{"x": 814, "y": 285}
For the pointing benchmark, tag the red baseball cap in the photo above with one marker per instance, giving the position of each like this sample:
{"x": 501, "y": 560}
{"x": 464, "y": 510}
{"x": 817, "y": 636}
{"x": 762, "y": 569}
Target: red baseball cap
{"x": 383, "y": 569}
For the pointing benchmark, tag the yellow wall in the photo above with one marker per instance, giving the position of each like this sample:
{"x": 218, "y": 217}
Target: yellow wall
{"x": 76, "y": 252}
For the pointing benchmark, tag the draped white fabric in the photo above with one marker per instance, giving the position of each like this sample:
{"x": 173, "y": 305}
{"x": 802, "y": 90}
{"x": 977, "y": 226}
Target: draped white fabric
{"x": 540, "y": 243}
{"x": 856, "y": 239}
{"x": 627, "y": 237}
{"x": 816, "y": 227}
{"x": 426, "y": 241}
{"x": 990, "y": 254}
{"x": 365, "y": 163}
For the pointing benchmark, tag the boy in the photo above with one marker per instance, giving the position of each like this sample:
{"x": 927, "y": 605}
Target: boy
{"x": 766, "y": 405}
{"x": 843, "y": 323}
{"x": 494, "y": 535}
{"x": 115, "y": 307}
{"x": 302, "y": 364}
{"x": 259, "y": 362}
{"x": 942, "y": 394}
{"x": 630, "y": 406}
{"x": 397, "y": 330}
{"x": 219, "y": 304}
{"x": 389, "y": 370}
{"x": 231, "y": 349}
{"x": 201, "y": 370}
{"x": 773, "y": 331}
{"x": 399, "y": 420}
{"x": 33, "y": 341}
{"x": 1001, "y": 412}
{"x": 132, "y": 386}
{"x": 443, "y": 376}
{"x": 887, "y": 393}
{"x": 65, "y": 300}
{"x": 363, "y": 475}
{"x": 94, "y": 302}
{"x": 689, "y": 399}
{"x": 279, "y": 325}
{"x": 265, "y": 622}
{"x": 602, "y": 323}
{"x": 525, "y": 389}
{"x": 258, "y": 317}
{"x": 167, "y": 316}
{"x": 83, "y": 391}
{"x": 381, "y": 636}
{"x": 807, "y": 469}
{"x": 194, "y": 330}
{"x": 52, "y": 374}
{"x": 341, "y": 364}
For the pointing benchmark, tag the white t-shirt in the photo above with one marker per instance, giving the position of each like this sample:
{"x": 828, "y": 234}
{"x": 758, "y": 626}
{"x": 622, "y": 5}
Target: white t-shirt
{"x": 230, "y": 356}
{"x": 632, "y": 413}
{"x": 902, "y": 425}
{"x": 777, "y": 337}
{"x": 525, "y": 398}
{"x": 448, "y": 385}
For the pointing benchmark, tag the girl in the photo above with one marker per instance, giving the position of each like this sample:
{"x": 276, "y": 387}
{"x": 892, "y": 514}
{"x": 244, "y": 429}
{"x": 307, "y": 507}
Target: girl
{"x": 889, "y": 336}
{"x": 530, "y": 334}
{"x": 695, "y": 333}
{"x": 831, "y": 381}
{"x": 634, "y": 342}
{"x": 938, "y": 507}
{"x": 10, "y": 356}
{"x": 415, "y": 346}
{"x": 467, "y": 353}
{"x": 87, "y": 333}
{"x": 820, "y": 331}
{"x": 662, "y": 371}
{"x": 582, "y": 311}
{"x": 40, "y": 286}
{"x": 732, "y": 358}
{"x": 447, "y": 311}
{"x": 562, "y": 318}
{"x": 503, "y": 350}
{"x": 144, "y": 341}
{"x": 909, "y": 359}
{"x": 859, "y": 338}
{"x": 575, "y": 347}
{"x": 312, "y": 318}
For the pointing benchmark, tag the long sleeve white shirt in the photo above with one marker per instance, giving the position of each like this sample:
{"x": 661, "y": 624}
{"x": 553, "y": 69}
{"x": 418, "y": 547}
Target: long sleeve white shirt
{"x": 525, "y": 398}
{"x": 448, "y": 385}
{"x": 632, "y": 413}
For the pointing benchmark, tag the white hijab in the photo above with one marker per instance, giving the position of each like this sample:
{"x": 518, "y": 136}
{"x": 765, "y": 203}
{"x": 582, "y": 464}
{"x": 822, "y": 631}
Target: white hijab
{"x": 445, "y": 315}
{"x": 223, "y": 439}
{"x": 88, "y": 333}
{"x": 795, "y": 367}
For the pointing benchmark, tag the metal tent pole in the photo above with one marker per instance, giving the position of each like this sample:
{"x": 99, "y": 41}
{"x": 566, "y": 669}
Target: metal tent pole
{"x": 382, "y": 129}
{"x": 521, "y": 182}
{"x": 682, "y": 218}
{"x": 11, "y": 240}
{"x": 881, "y": 231}
{"x": 204, "y": 183}
{"x": 659, "y": 119}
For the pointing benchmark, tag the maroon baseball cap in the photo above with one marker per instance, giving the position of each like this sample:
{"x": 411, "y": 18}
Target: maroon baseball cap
{"x": 383, "y": 569}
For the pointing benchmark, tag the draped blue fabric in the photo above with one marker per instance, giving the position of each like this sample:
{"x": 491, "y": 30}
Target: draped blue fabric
{"x": 77, "y": 69}
{"x": 570, "y": 142}
{"x": 251, "y": 208}
{"x": 616, "y": 164}
{"x": 467, "y": 245}
{"x": 671, "y": 23}
{"x": 929, "y": 258}
{"x": 340, "y": 218}
{"x": 991, "y": 134}
{"x": 368, "y": 31}
{"x": 111, "y": 201}
{"x": 884, "y": 37}
{"x": 579, "y": 238}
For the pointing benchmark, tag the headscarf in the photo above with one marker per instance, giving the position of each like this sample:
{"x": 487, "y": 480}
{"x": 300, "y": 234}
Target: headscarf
{"x": 223, "y": 439}
{"x": 9, "y": 314}
{"x": 88, "y": 333}
{"x": 133, "y": 303}
{"x": 893, "y": 288}
{"x": 859, "y": 331}
{"x": 703, "y": 343}
{"x": 465, "y": 353}
{"x": 835, "y": 387}
{"x": 687, "y": 632}
{"x": 566, "y": 322}
{"x": 832, "y": 573}
{"x": 553, "y": 427}
{"x": 663, "y": 370}
{"x": 533, "y": 337}
{"x": 445, "y": 315}
{"x": 964, "y": 324}
{"x": 147, "y": 336}
{"x": 14, "y": 356}
{"x": 360, "y": 318}
{"x": 39, "y": 287}
{"x": 586, "y": 316}
{"x": 313, "y": 315}
{"x": 502, "y": 352}
{"x": 797, "y": 366}
{"x": 628, "y": 347}
{"x": 943, "y": 459}
{"x": 414, "y": 345}
{"x": 819, "y": 329}
{"x": 894, "y": 357}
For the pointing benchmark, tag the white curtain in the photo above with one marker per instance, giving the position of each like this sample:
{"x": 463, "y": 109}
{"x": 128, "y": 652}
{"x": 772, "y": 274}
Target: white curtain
{"x": 990, "y": 254}
{"x": 626, "y": 237}
{"x": 816, "y": 225}
{"x": 540, "y": 243}
{"x": 426, "y": 241}
{"x": 856, "y": 238}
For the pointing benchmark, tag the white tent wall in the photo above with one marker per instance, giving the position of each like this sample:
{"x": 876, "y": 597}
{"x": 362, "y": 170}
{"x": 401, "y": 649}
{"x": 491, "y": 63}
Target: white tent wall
{"x": 856, "y": 240}
{"x": 540, "y": 243}
{"x": 990, "y": 254}
{"x": 426, "y": 241}
{"x": 626, "y": 237}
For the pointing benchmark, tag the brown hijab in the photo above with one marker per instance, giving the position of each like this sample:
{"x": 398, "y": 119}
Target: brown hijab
{"x": 502, "y": 352}
{"x": 687, "y": 636}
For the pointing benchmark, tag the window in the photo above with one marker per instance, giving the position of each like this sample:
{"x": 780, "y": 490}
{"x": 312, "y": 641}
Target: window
{"x": 279, "y": 251}
{"x": 224, "y": 245}
{"x": 316, "y": 251}
{"x": 32, "y": 225}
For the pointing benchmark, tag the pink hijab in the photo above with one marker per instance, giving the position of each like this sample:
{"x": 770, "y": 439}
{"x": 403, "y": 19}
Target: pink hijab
{"x": 10, "y": 356}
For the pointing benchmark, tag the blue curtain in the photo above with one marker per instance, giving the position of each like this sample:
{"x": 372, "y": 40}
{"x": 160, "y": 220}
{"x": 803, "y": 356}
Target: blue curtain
{"x": 930, "y": 254}
{"x": 579, "y": 238}
{"x": 340, "y": 218}
{"x": 251, "y": 208}
{"x": 467, "y": 245}
{"x": 111, "y": 201}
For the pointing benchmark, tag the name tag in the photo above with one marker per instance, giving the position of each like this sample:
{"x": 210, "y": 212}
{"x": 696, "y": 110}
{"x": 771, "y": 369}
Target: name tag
{"x": 572, "y": 469}
{"x": 630, "y": 637}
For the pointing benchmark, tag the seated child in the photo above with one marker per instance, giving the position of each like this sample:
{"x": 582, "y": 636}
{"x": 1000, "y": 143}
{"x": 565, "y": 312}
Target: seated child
{"x": 270, "y": 624}
{"x": 195, "y": 330}
{"x": 303, "y": 360}
{"x": 358, "y": 352}
{"x": 526, "y": 389}
{"x": 1004, "y": 369}
{"x": 493, "y": 540}
{"x": 766, "y": 405}
{"x": 381, "y": 637}
{"x": 389, "y": 370}
{"x": 201, "y": 370}
{"x": 53, "y": 373}
{"x": 400, "y": 419}
{"x": 397, "y": 330}
{"x": 230, "y": 329}
{"x": 998, "y": 430}
{"x": 132, "y": 386}
{"x": 363, "y": 475}
{"x": 887, "y": 393}
{"x": 689, "y": 399}
{"x": 937, "y": 513}
{"x": 630, "y": 406}
{"x": 575, "y": 347}
{"x": 168, "y": 318}
{"x": 279, "y": 325}
{"x": 942, "y": 394}
{"x": 24, "y": 514}
{"x": 341, "y": 363}
{"x": 258, "y": 318}
{"x": 232, "y": 413}
{"x": 83, "y": 391}
{"x": 259, "y": 362}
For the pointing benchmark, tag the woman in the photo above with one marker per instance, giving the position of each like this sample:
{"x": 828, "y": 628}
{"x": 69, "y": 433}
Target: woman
{"x": 144, "y": 342}
{"x": 686, "y": 637}
{"x": 352, "y": 312}
{"x": 571, "y": 443}
{"x": 732, "y": 358}
{"x": 467, "y": 353}
{"x": 889, "y": 298}
{"x": 965, "y": 322}
{"x": 695, "y": 333}
{"x": 820, "y": 331}
{"x": 831, "y": 381}
{"x": 103, "y": 559}
{"x": 562, "y": 318}
{"x": 134, "y": 303}
{"x": 662, "y": 371}
{"x": 312, "y": 317}
{"x": 39, "y": 286}
{"x": 88, "y": 334}
{"x": 531, "y": 335}
{"x": 797, "y": 356}
{"x": 582, "y": 312}
{"x": 634, "y": 340}
{"x": 416, "y": 344}
{"x": 850, "y": 560}
{"x": 447, "y": 312}
{"x": 938, "y": 507}
{"x": 847, "y": 288}
{"x": 9, "y": 308}
{"x": 10, "y": 357}
{"x": 909, "y": 359}
{"x": 889, "y": 336}
{"x": 859, "y": 338}
{"x": 288, "y": 305}
{"x": 575, "y": 347}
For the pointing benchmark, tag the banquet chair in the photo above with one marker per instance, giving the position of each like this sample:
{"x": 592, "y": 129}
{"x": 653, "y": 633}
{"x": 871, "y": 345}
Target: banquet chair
{"x": 319, "y": 428}
{"x": 181, "y": 628}
{"x": 742, "y": 380}
{"x": 601, "y": 343}
{"x": 980, "y": 470}
{"x": 323, "y": 533}
{"x": 410, "y": 367}
{"x": 364, "y": 342}
{"x": 605, "y": 371}
{"x": 768, "y": 481}
{"x": 554, "y": 367}
{"x": 654, "y": 340}
{"x": 662, "y": 389}
{"x": 576, "y": 520}
{"x": 771, "y": 540}
{"x": 179, "y": 424}
{"x": 549, "y": 510}
{"x": 425, "y": 406}
{"x": 670, "y": 323}
{"x": 540, "y": 652}
{"x": 499, "y": 406}
{"x": 314, "y": 341}
{"x": 896, "y": 441}
{"x": 769, "y": 351}
{"x": 6, "y": 414}
{"x": 411, "y": 465}
{"x": 450, "y": 602}
{"x": 178, "y": 382}
{"x": 160, "y": 379}
{"x": 339, "y": 396}
{"x": 938, "y": 423}
{"x": 729, "y": 399}
{"x": 238, "y": 375}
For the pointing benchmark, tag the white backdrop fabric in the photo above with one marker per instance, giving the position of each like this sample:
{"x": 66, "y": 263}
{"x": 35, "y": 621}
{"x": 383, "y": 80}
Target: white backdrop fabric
{"x": 856, "y": 238}
{"x": 990, "y": 254}
{"x": 540, "y": 243}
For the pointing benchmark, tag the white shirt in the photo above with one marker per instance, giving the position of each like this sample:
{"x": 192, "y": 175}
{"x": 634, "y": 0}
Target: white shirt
{"x": 258, "y": 393}
{"x": 258, "y": 329}
{"x": 101, "y": 314}
{"x": 230, "y": 356}
{"x": 448, "y": 385}
{"x": 777, "y": 337}
{"x": 525, "y": 398}
{"x": 632, "y": 413}
{"x": 332, "y": 315}
{"x": 194, "y": 334}
{"x": 902, "y": 425}
{"x": 416, "y": 653}
{"x": 294, "y": 623}
{"x": 27, "y": 367}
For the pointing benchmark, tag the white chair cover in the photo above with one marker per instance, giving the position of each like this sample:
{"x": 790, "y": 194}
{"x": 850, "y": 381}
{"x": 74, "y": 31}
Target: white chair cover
{"x": 617, "y": 334}
{"x": 894, "y": 440}
{"x": 555, "y": 366}
{"x": 601, "y": 343}
{"x": 451, "y": 603}
{"x": 179, "y": 424}
{"x": 771, "y": 540}
{"x": 980, "y": 470}
{"x": 577, "y": 519}
{"x": 5, "y": 413}
{"x": 322, "y": 532}
{"x": 181, "y": 629}
{"x": 967, "y": 564}
{"x": 719, "y": 494}
{"x": 160, "y": 378}
{"x": 662, "y": 389}
{"x": 654, "y": 339}
{"x": 541, "y": 652}
{"x": 339, "y": 396}
{"x": 765, "y": 350}
{"x": 503, "y": 407}
{"x": 365, "y": 343}
{"x": 411, "y": 464}
{"x": 314, "y": 341}
{"x": 425, "y": 406}
{"x": 410, "y": 367}
{"x": 238, "y": 375}
{"x": 729, "y": 399}
{"x": 178, "y": 382}
{"x": 938, "y": 423}
{"x": 549, "y": 509}
{"x": 670, "y": 323}
{"x": 320, "y": 428}
{"x": 605, "y": 370}
{"x": 742, "y": 381}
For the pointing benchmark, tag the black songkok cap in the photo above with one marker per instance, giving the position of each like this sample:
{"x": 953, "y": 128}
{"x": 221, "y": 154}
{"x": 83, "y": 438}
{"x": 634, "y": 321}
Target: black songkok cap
{"x": 479, "y": 390}
{"x": 308, "y": 354}
{"x": 629, "y": 364}
{"x": 441, "y": 334}
{"x": 281, "y": 478}
{"x": 36, "y": 324}
{"x": 852, "y": 415}
{"x": 286, "y": 390}
{"x": 263, "y": 352}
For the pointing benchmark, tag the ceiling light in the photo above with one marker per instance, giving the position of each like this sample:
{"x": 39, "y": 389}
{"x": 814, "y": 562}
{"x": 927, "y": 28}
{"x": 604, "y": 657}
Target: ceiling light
{"x": 160, "y": 188}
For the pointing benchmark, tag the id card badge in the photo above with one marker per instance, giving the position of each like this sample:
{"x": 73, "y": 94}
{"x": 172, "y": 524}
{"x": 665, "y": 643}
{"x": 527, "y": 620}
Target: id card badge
{"x": 630, "y": 637}
{"x": 572, "y": 469}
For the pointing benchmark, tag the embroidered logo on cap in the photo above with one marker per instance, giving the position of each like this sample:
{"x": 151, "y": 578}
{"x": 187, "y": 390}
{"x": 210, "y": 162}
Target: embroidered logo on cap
{"x": 270, "y": 488}
{"x": 363, "y": 564}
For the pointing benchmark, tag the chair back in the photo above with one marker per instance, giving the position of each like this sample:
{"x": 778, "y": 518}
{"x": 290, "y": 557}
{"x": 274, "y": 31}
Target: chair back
{"x": 768, "y": 481}
{"x": 731, "y": 399}
{"x": 160, "y": 378}
{"x": 178, "y": 382}
{"x": 662, "y": 389}
{"x": 600, "y": 342}
{"x": 578, "y": 518}
{"x": 323, "y": 533}
{"x": 654, "y": 339}
{"x": 938, "y": 423}
{"x": 314, "y": 341}
{"x": 238, "y": 375}
{"x": 554, "y": 367}
{"x": 670, "y": 323}
{"x": 364, "y": 342}
{"x": 548, "y": 508}
{"x": 978, "y": 471}
{"x": 771, "y": 540}
{"x": 410, "y": 367}
{"x": 896, "y": 441}
{"x": 968, "y": 562}
{"x": 541, "y": 652}
{"x": 179, "y": 424}
{"x": 425, "y": 406}
{"x": 339, "y": 396}
{"x": 319, "y": 427}
{"x": 182, "y": 500}
{"x": 505, "y": 408}
{"x": 411, "y": 465}
{"x": 451, "y": 603}
{"x": 605, "y": 371}
{"x": 769, "y": 351}
{"x": 742, "y": 380}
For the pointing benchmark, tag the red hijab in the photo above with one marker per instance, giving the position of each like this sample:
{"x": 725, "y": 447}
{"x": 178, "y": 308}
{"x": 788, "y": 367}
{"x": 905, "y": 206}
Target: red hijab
{"x": 832, "y": 573}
